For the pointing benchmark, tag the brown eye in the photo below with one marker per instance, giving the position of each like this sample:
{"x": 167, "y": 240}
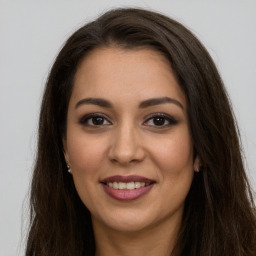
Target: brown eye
{"x": 98, "y": 120}
{"x": 94, "y": 120}
{"x": 160, "y": 121}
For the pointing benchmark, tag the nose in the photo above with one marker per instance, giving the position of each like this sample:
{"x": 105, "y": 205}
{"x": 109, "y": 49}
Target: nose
{"x": 126, "y": 146}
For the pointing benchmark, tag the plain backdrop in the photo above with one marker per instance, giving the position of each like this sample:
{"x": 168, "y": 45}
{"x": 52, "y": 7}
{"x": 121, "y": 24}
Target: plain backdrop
{"x": 31, "y": 34}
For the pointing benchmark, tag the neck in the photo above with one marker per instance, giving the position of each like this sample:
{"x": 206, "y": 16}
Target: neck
{"x": 152, "y": 241}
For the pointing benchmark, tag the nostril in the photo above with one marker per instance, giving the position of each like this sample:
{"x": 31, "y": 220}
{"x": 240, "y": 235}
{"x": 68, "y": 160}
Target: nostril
{"x": 124, "y": 151}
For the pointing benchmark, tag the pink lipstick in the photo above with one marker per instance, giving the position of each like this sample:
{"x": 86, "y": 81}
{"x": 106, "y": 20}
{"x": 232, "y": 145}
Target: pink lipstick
{"x": 127, "y": 188}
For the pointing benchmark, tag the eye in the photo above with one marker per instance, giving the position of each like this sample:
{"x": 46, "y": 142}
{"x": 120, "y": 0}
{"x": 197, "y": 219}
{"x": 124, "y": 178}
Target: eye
{"x": 160, "y": 120}
{"x": 94, "y": 120}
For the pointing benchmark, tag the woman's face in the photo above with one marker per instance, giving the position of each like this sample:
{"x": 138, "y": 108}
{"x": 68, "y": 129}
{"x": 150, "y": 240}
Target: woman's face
{"x": 128, "y": 140}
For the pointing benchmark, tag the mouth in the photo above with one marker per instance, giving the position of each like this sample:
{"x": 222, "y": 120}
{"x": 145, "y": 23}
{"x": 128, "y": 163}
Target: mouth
{"x": 129, "y": 185}
{"x": 127, "y": 188}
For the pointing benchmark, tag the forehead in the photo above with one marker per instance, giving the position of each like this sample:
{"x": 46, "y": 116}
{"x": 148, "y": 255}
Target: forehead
{"x": 117, "y": 73}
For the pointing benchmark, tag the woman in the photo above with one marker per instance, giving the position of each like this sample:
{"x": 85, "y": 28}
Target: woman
{"x": 138, "y": 149}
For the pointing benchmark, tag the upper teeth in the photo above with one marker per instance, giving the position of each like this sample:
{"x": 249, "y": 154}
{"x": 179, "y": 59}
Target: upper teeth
{"x": 129, "y": 185}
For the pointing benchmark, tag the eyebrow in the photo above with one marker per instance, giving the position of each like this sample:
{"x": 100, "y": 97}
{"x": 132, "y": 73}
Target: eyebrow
{"x": 144, "y": 104}
{"x": 158, "y": 101}
{"x": 94, "y": 101}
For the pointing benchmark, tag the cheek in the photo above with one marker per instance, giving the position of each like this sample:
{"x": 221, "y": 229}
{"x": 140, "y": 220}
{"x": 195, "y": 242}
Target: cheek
{"x": 86, "y": 154}
{"x": 174, "y": 155}
{"x": 86, "y": 159}
{"x": 175, "y": 162}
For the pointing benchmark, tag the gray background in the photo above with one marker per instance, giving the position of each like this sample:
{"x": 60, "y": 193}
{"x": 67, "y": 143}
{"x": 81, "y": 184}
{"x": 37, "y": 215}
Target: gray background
{"x": 31, "y": 34}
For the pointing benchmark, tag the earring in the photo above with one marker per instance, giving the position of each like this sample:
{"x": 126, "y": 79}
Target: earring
{"x": 69, "y": 169}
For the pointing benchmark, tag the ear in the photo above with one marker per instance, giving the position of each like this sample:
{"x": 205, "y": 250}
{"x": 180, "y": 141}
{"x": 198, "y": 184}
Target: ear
{"x": 197, "y": 164}
{"x": 65, "y": 150}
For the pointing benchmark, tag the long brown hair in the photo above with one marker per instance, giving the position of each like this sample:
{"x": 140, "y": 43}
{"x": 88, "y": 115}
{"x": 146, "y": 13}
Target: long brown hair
{"x": 219, "y": 215}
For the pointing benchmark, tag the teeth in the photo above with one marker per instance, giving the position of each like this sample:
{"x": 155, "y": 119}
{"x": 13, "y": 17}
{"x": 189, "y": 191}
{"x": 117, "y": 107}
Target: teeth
{"x": 115, "y": 185}
{"x": 129, "y": 185}
{"x": 139, "y": 184}
{"x": 122, "y": 185}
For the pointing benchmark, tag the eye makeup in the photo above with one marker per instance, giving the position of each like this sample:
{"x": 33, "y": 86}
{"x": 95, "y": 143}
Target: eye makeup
{"x": 155, "y": 120}
{"x": 94, "y": 119}
{"x": 160, "y": 120}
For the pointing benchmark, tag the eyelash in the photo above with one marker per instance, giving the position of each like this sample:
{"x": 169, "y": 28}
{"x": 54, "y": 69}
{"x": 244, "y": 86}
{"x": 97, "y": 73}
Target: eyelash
{"x": 171, "y": 121}
{"x": 84, "y": 120}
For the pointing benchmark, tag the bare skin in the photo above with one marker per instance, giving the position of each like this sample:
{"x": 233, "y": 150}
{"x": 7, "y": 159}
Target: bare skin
{"x": 159, "y": 240}
{"x": 115, "y": 128}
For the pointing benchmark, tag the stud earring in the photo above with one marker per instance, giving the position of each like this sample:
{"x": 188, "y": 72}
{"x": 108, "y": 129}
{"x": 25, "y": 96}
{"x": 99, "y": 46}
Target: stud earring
{"x": 69, "y": 169}
{"x": 196, "y": 170}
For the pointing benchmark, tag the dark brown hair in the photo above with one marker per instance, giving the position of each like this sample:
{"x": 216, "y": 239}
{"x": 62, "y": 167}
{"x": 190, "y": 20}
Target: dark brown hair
{"x": 219, "y": 215}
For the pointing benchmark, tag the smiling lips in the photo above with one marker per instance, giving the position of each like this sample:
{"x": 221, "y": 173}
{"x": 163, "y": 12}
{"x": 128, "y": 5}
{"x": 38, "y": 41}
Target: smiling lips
{"x": 127, "y": 188}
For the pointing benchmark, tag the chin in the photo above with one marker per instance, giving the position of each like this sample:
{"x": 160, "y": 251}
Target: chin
{"x": 127, "y": 221}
